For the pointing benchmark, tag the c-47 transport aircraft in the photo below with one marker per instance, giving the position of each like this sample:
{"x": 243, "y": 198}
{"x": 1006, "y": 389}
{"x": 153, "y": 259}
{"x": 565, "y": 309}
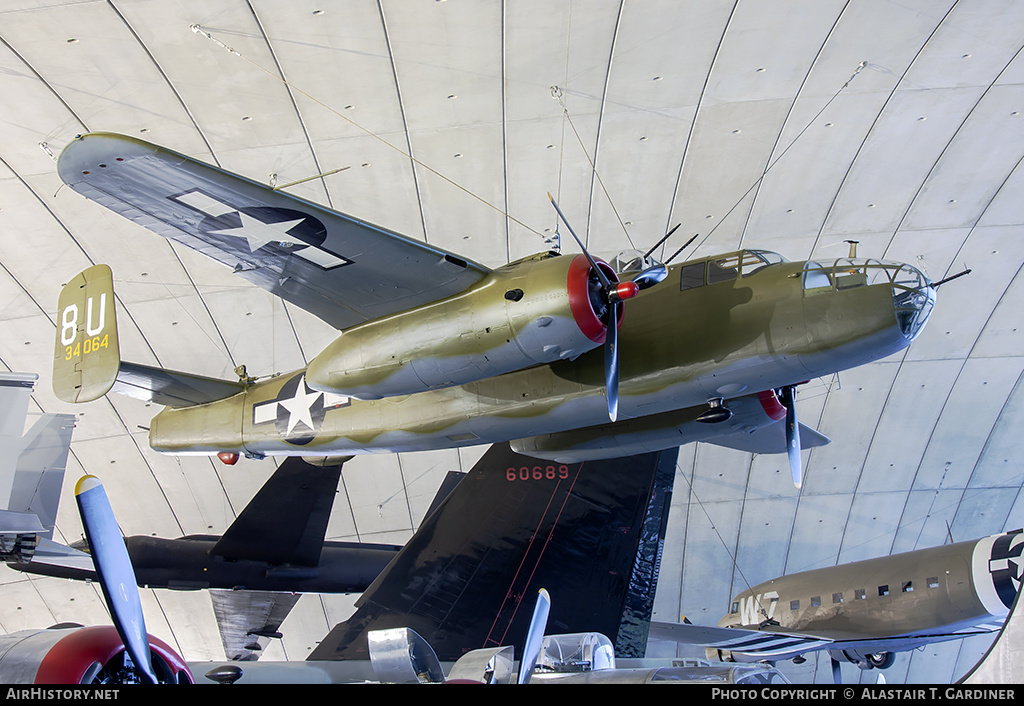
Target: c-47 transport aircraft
{"x": 865, "y": 611}
{"x": 435, "y": 351}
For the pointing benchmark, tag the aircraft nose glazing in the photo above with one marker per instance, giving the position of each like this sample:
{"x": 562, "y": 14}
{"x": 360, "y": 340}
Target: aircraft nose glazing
{"x": 913, "y": 294}
{"x": 913, "y": 297}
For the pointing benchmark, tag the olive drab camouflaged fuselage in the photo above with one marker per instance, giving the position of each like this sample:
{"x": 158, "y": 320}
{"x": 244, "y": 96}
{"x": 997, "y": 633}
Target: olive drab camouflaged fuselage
{"x": 678, "y": 349}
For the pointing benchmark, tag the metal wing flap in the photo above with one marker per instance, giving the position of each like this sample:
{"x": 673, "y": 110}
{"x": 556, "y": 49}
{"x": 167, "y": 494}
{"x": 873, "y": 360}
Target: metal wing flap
{"x": 248, "y": 619}
{"x": 338, "y": 268}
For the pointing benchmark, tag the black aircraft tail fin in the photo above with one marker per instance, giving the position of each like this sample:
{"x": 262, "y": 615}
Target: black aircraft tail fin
{"x": 590, "y": 533}
{"x": 298, "y": 498}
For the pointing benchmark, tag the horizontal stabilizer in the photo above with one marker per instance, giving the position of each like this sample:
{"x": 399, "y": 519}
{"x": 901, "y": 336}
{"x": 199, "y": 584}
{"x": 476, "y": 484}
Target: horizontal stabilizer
{"x": 770, "y": 439}
{"x": 20, "y": 523}
{"x": 170, "y": 388}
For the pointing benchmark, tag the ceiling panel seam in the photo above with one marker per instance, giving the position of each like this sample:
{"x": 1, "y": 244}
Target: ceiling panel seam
{"x": 46, "y": 83}
{"x": 504, "y": 135}
{"x": 782, "y": 128}
{"x": 981, "y": 215}
{"x": 594, "y": 178}
{"x": 963, "y": 364}
{"x": 988, "y": 439}
{"x": 864, "y": 461}
{"x": 295, "y": 105}
{"x": 945, "y": 149}
{"x": 874, "y": 124}
{"x": 693, "y": 123}
{"x": 405, "y": 122}
{"x": 167, "y": 80}
{"x": 213, "y": 156}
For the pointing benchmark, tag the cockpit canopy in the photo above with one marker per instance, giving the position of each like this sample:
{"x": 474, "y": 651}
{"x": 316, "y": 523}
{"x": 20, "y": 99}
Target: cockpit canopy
{"x": 912, "y": 293}
{"x": 722, "y": 268}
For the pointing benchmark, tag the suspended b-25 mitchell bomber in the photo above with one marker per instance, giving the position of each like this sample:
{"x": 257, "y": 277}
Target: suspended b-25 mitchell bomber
{"x": 436, "y": 351}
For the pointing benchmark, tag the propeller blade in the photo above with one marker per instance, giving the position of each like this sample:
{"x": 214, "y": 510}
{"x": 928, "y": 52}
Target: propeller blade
{"x": 792, "y": 435}
{"x": 114, "y": 568}
{"x": 651, "y": 276}
{"x": 605, "y": 282}
{"x": 535, "y": 636}
{"x": 611, "y": 361}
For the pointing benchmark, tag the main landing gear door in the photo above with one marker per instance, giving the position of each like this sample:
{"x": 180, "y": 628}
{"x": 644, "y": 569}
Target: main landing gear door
{"x": 86, "y": 356}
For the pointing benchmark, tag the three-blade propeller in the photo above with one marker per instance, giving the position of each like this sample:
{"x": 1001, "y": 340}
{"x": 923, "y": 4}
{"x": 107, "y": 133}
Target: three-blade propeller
{"x": 614, "y": 294}
{"x": 116, "y": 575}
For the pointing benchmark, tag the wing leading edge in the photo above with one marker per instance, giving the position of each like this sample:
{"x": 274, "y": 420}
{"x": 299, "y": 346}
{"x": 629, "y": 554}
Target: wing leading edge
{"x": 338, "y": 268}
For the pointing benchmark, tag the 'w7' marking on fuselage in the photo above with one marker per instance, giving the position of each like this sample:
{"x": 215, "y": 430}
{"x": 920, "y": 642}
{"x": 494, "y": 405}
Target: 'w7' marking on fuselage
{"x": 751, "y": 607}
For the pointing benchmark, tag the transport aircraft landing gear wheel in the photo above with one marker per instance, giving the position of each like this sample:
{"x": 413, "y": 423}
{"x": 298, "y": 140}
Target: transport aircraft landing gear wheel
{"x": 881, "y": 660}
{"x": 716, "y": 655}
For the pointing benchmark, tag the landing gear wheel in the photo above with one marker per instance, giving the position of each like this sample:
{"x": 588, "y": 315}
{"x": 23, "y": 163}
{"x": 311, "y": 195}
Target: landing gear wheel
{"x": 881, "y": 660}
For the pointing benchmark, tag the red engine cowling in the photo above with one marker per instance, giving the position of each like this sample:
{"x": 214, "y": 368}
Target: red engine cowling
{"x": 81, "y": 655}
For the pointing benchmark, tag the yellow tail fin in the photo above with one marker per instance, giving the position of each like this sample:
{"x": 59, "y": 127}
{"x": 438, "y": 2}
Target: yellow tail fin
{"x": 86, "y": 356}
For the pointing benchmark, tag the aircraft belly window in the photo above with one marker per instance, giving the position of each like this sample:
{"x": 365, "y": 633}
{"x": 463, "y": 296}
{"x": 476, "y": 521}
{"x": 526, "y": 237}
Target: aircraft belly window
{"x": 692, "y": 276}
{"x": 860, "y": 594}
{"x": 908, "y": 586}
{"x": 837, "y": 597}
{"x": 883, "y": 590}
{"x": 816, "y": 601}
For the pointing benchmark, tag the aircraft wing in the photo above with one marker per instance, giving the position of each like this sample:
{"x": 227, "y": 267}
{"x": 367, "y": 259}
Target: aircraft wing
{"x": 770, "y": 439}
{"x": 772, "y": 643}
{"x": 338, "y": 268}
{"x": 763, "y": 644}
{"x": 249, "y": 619}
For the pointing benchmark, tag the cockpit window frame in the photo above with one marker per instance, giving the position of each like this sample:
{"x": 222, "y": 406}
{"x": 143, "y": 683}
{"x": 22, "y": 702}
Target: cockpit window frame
{"x": 726, "y": 268}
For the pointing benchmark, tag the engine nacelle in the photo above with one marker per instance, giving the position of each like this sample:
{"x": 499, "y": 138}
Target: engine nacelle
{"x": 79, "y": 655}
{"x": 537, "y": 310}
{"x": 655, "y": 432}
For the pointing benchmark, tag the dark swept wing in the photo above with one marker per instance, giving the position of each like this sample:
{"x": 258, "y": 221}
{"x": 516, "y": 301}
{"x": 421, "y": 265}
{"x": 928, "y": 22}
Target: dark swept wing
{"x": 338, "y": 268}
